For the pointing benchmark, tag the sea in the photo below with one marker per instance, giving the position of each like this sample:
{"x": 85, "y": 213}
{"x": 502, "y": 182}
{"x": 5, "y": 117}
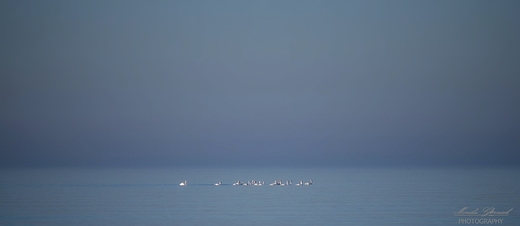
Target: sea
{"x": 337, "y": 196}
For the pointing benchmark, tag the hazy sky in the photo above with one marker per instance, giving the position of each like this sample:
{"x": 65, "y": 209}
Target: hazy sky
{"x": 261, "y": 83}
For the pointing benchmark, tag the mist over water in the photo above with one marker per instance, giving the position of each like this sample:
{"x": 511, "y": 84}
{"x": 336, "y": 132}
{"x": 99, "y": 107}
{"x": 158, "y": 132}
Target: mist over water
{"x": 263, "y": 83}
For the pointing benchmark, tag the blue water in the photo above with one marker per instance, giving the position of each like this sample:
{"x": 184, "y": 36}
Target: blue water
{"x": 337, "y": 197}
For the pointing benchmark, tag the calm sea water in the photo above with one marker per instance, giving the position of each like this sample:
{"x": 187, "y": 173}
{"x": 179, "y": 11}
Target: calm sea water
{"x": 337, "y": 197}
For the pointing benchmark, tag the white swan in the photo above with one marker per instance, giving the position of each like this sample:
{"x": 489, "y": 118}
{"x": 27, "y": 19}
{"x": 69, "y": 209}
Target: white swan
{"x": 183, "y": 183}
{"x": 219, "y": 183}
{"x": 308, "y": 183}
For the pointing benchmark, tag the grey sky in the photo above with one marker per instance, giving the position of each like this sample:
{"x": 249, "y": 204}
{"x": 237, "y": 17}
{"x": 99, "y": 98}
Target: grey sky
{"x": 192, "y": 83}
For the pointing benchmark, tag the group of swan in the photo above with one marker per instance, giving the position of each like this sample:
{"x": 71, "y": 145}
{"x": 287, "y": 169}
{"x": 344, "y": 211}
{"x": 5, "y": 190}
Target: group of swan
{"x": 304, "y": 183}
{"x": 260, "y": 183}
{"x": 289, "y": 182}
{"x": 280, "y": 183}
{"x": 249, "y": 183}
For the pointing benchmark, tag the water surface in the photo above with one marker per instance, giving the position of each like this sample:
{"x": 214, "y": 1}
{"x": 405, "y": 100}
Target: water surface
{"x": 338, "y": 196}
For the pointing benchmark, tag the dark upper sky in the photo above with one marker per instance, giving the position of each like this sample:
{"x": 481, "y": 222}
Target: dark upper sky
{"x": 263, "y": 83}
